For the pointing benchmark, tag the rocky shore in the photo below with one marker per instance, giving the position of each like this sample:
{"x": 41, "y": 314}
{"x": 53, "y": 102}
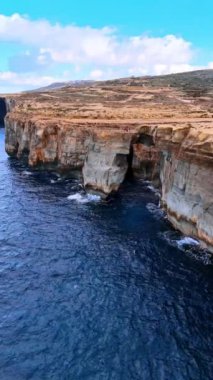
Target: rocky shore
{"x": 158, "y": 129}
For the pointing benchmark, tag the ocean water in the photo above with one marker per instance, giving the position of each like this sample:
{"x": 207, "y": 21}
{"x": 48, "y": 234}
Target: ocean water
{"x": 93, "y": 290}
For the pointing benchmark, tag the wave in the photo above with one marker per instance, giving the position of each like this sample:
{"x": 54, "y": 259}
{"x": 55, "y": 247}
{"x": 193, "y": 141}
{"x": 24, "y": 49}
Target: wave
{"x": 84, "y": 198}
{"x": 156, "y": 210}
{"x": 187, "y": 241}
{"x": 188, "y": 245}
{"x": 59, "y": 179}
{"x": 149, "y": 185}
{"x": 26, "y": 172}
{"x": 174, "y": 238}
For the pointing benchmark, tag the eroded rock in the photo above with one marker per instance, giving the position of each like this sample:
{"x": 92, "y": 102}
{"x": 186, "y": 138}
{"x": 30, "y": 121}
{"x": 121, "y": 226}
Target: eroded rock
{"x": 106, "y": 163}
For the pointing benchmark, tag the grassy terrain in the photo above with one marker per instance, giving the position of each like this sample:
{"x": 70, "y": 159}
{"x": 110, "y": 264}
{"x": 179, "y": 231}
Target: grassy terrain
{"x": 184, "y": 96}
{"x": 197, "y": 83}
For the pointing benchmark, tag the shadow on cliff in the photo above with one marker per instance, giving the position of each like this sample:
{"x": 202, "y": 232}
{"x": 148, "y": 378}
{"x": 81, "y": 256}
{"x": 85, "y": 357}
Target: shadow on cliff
{"x": 3, "y": 111}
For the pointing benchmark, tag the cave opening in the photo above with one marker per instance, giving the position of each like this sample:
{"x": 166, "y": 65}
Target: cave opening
{"x": 129, "y": 173}
{"x": 3, "y": 111}
{"x": 146, "y": 140}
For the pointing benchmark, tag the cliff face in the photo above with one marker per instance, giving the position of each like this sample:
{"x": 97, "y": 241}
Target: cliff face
{"x": 106, "y": 163}
{"x": 108, "y": 130}
{"x": 186, "y": 176}
{"x": 46, "y": 145}
{"x": 187, "y": 197}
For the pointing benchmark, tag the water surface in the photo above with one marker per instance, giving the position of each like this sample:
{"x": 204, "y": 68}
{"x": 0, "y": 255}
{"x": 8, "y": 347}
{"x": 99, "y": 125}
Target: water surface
{"x": 96, "y": 291}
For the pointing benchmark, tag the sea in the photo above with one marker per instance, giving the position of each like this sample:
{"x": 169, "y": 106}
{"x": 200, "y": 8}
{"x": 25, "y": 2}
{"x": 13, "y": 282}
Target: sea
{"x": 97, "y": 290}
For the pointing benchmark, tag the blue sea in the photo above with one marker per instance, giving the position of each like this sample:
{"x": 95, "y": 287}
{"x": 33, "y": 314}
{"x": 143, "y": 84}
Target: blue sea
{"x": 95, "y": 290}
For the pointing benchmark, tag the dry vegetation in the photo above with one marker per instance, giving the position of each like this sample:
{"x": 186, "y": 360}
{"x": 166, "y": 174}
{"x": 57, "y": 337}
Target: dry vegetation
{"x": 180, "y": 97}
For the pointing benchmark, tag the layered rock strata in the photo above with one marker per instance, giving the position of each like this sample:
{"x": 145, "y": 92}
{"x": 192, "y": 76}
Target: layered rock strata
{"x": 106, "y": 162}
{"x": 186, "y": 177}
{"x": 46, "y": 144}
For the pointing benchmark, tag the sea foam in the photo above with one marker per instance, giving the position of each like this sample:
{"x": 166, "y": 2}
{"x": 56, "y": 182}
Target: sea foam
{"x": 26, "y": 172}
{"x": 84, "y": 198}
{"x": 187, "y": 241}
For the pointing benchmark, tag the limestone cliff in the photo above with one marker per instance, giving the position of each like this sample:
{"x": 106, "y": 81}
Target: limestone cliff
{"x": 186, "y": 168}
{"x": 105, "y": 130}
{"x": 46, "y": 144}
{"x": 106, "y": 163}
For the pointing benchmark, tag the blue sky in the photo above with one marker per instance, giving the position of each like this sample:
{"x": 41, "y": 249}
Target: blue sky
{"x": 45, "y": 40}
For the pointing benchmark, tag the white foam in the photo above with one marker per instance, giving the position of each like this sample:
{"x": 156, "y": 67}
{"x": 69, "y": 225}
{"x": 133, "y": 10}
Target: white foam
{"x": 174, "y": 239}
{"x": 155, "y": 210}
{"x": 26, "y": 172}
{"x": 150, "y": 187}
{"x": 86, "y": 198}
{"x": 187, "y": 241}
{"x": 94, "y": 197}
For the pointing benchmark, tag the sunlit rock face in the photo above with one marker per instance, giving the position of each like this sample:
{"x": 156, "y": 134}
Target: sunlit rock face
{"x": 108, "y": 130}
{"x": 46, "y": 145}
{"x": 106, "y": 162}
{"x": 187, "y": 196}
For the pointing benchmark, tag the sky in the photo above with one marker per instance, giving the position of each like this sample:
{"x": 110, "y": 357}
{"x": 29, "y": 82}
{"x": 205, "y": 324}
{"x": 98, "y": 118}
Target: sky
{"x": 45, "y": 41}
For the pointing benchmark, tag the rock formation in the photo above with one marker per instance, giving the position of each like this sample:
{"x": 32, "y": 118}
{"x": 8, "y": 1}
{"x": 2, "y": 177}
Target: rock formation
{"x": 106, "y": 162}
{"x": 186, "y": 168}
{"x": 160, "y": 129}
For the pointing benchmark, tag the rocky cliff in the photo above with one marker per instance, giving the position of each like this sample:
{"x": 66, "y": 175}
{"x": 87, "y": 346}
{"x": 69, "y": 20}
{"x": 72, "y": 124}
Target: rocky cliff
{"x": 106, "y": 163}
{"x": 105, "y": 131}
{"x": 186, "y": 180}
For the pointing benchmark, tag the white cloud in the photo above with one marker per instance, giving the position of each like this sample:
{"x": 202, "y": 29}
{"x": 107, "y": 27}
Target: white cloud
{"x": 210, "y": 65}
{"x": 65, "y": 44}
{"x": 11, "y": 81}
{"x": 85, "y": 45}
{"x": 18, "y": 79}
{"x": 96, "y": 74}
{"x": 101, "y": 52}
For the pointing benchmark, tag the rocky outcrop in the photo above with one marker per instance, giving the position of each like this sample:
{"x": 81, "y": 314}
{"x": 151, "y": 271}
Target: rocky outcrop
{"x": 46, "y": 145}
{"x": 10, "y": 104}
{"x": 103, "y": 156}
{"x": 106, "y": 163}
